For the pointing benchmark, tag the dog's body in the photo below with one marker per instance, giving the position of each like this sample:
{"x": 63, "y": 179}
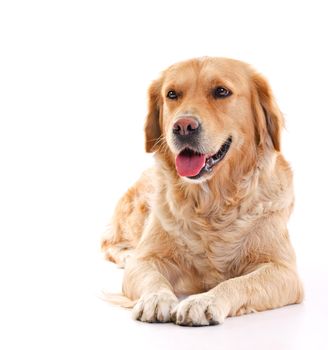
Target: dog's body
{"x": 211, "y": 217}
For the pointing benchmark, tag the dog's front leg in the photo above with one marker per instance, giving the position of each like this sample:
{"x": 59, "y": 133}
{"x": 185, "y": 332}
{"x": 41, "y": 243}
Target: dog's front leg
{"x": 147, "y": 276}
{"x": 144, "y": 281}
{"x": 269, "y": 286}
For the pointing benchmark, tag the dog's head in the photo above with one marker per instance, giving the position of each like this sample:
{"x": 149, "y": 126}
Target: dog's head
{"x": 205, "y": 112}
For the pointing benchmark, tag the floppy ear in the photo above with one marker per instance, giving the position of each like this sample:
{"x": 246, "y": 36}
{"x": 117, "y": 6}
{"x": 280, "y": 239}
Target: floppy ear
{"x": 152, "y": 125}
{"x": 268, "y": 118}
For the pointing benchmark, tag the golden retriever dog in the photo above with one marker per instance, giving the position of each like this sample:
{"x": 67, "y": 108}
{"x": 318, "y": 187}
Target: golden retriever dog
{"x": 209, "y": 221}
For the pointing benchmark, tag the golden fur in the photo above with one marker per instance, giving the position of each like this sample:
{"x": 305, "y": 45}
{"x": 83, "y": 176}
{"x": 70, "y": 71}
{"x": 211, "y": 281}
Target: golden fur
{"x": 222, "y": 240}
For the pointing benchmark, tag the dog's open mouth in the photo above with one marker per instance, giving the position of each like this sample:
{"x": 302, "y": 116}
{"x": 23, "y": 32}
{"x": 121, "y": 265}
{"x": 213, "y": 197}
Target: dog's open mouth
{"x": 194, "y": 165}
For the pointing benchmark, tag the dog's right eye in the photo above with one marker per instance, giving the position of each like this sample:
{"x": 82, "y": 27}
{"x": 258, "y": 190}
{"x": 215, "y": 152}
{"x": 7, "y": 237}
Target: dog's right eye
{"x": 172, "y": 95}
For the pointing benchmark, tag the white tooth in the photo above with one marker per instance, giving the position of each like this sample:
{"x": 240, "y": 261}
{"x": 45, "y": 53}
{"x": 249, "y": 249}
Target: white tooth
{"x": 210, "y": 161}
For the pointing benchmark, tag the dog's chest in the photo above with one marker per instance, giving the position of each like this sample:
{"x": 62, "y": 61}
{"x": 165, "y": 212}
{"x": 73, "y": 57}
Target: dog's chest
{"x": 212, "y": 249}
{"x": 214, "y": 245}
{"x": 210, "y": 238}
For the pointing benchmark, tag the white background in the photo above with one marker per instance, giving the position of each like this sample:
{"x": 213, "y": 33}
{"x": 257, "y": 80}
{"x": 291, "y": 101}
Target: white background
{"x": 73, "y": 81}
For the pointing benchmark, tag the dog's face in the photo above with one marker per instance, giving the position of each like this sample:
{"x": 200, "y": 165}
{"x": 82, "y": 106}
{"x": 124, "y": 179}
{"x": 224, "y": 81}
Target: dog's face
{"x": 207, "y": 111}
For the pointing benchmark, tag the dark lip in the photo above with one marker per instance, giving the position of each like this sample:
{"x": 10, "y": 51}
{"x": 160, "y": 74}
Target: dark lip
{"x": 212, "y": 161}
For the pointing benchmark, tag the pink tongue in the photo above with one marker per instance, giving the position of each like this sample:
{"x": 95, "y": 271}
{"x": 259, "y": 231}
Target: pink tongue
{"x": 189, "y": 165}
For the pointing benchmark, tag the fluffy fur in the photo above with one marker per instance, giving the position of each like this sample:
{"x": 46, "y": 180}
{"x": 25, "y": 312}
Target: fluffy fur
{"x": 222, "y": 240}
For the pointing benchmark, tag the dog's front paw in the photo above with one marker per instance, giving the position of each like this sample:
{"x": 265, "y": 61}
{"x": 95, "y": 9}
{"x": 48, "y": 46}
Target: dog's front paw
{"x": 200, "y": 310}
{"x": 155, "y": 307}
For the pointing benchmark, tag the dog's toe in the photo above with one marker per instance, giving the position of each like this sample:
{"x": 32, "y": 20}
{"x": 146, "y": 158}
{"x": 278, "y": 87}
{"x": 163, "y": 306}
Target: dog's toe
{"x": 155, "y": 307}
{"x": 199, "y": 310}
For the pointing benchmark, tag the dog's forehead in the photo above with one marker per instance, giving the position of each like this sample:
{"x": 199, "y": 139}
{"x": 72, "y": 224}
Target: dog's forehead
{"x": 207, "y": 70}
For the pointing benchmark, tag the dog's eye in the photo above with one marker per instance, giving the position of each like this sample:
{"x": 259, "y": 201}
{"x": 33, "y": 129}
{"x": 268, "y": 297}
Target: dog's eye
{"x": 221, "y": 92}
{"x": 172, "y": 95}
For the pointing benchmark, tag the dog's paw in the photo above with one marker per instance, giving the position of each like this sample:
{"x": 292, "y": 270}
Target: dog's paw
{"x": 155, "y": 307}
{"x": 118, "y": 253}
{"x": 200, "y": 310}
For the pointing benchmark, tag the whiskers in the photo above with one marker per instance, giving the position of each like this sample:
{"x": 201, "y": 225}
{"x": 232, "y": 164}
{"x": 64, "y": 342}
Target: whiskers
{"x": 161, "y": 144}
{"x": 206, "y": 148}
{"x": 203, "y": 145}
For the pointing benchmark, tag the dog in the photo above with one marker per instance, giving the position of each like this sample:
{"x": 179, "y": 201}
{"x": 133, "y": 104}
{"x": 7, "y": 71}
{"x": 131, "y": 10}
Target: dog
{"x": 209, "y": 220}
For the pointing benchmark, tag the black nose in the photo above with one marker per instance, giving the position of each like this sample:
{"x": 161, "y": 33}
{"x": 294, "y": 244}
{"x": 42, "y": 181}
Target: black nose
{"x": 186, "y": 126}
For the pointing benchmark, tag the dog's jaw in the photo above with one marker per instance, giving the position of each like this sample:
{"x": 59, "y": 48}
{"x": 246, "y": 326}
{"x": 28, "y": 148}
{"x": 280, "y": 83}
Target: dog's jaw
{"x": 204, "y": 168}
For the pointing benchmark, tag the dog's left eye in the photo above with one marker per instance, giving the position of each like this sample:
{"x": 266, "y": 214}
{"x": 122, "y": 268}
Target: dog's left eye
{"x": 221, "y": 92}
